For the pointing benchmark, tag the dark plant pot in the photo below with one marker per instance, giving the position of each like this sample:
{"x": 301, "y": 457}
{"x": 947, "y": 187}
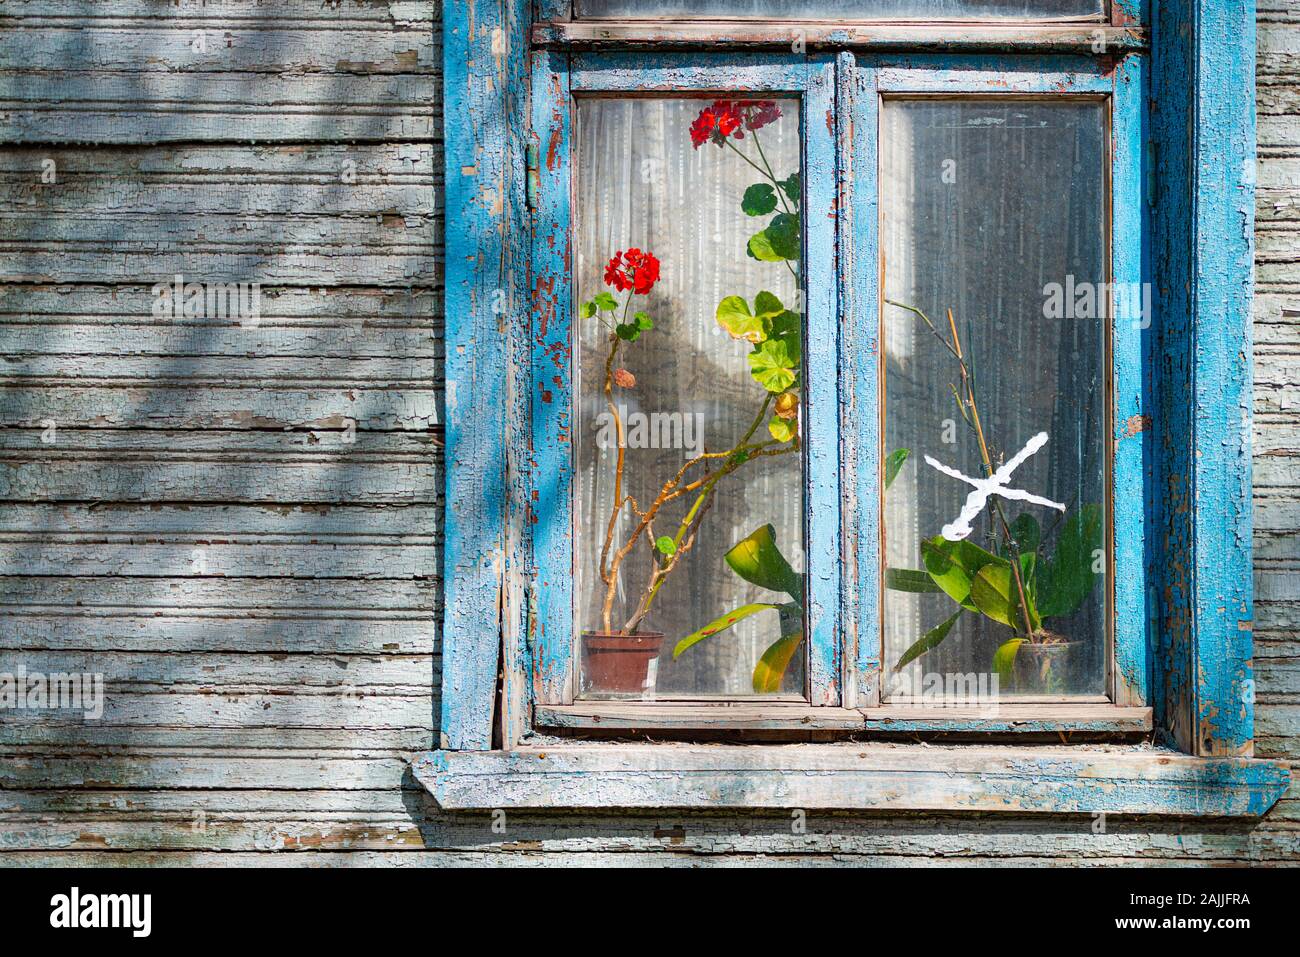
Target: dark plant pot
{"x": 1048, "y": 668}
{"x": 619, "y": 664}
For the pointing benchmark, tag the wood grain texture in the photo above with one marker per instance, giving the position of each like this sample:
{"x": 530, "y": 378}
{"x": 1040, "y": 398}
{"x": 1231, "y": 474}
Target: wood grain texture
{"x": 146, "y": 125}
{"x": 874, "y": 776}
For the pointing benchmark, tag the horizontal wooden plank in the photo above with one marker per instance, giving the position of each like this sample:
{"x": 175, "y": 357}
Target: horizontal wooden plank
{"x": 221, "y": 524}
{"x": 186, "y": 404}
{"x": 145, "y": 14}
{"x": 227, "y": 346}
{"x": 375, "y": 250}
{"x": 878, "y": 777}
{"x": 110, "y": 306}
{"x": 319, "y": 466}
{"x": 1276, "y": 727}
{"x": 226, "y": 178}
{"x": 216, "y": 629}
{"x": 525, "y": 855}
{"x": 102, "y": 106}
{"x": 1002, "y": 718}
{"x": 321, "y": 741}
{"x": 218, "y": 598}
{"x": 166, "y": 672}
{"x": 1278, "y": 679}
{"x": 306, "y": 830}
{"x": 362, "y": 708}
{"x": 264, "y": 45}
{"x": 179, "y": 767}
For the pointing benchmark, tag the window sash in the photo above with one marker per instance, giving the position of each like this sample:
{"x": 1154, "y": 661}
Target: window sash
{"x": 843, "y": 355}
{"x": 878, "y": 77}
{"x": 557, "y": 81}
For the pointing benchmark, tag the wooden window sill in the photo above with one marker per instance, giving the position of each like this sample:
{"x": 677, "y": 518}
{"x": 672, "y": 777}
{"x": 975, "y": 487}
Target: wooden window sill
{"x": 684, "y": 717}
{"x": 863, "y": 777}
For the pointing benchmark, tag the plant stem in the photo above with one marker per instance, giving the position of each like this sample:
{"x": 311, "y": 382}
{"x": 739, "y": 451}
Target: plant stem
{"x": 653, "y": 590}
{"x": 1012, "y": 546}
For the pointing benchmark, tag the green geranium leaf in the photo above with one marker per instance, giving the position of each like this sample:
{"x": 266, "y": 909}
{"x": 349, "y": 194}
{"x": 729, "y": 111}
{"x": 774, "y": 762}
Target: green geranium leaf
{"x": 780, "y": 240}
{"x": 786, "y": 324}
{"x": 760, "y": 248}
{"x": 643, "y": 321}
{"x": 773, "y": 364}
{"x": 766, "y": 305}
{"x": 782, "y": 430}
{"x": 759, "y": 200}
{"x": 734, "y": 316}
{"x": 792, "y": 187}
{"x": 587, "y": 310}
{"x": 605, "y": 302}
{"x": 783, "y": 234}
{"x": 627, "y": 332}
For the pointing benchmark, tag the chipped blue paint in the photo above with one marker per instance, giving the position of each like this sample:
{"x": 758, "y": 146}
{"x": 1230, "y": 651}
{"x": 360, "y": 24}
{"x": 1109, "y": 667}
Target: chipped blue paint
{"x": 952, "y": 73}
{"x": 480, "y": 62}
{"x": 1204, "y": 78}
{"x": 1131, "y": 12}
{"x": 550, "y": 346}
{"x": 1131, "y": 333}
{"x": 821, "y": 374}
{"x": 860, "y": 368}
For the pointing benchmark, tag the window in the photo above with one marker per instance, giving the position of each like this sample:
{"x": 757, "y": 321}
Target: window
{"x": 845, "y": 388}
{"x": 704, "y": 310}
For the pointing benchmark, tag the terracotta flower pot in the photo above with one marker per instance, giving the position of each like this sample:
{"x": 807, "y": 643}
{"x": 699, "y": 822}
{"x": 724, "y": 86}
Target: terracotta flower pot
{"x": 619, "y": 664}
{"x": 1047, "y": 668}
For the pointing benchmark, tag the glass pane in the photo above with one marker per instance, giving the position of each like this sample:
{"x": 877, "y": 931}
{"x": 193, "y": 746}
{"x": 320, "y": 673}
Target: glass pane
{"x": 995, "y": 209}
{"x": 689, "y": 346}
{"x": 846, "y": 9}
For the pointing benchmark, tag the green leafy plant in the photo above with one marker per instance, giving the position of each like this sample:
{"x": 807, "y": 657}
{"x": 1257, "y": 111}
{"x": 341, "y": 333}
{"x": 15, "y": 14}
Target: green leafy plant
{"x": 772, "y": 329}
{"x": 1018, "y": 584}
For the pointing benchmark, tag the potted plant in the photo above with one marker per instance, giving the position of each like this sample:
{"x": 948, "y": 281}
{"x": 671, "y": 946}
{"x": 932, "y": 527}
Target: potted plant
{"x": 616, "y": 658}
{"x": 1020, "y": 584}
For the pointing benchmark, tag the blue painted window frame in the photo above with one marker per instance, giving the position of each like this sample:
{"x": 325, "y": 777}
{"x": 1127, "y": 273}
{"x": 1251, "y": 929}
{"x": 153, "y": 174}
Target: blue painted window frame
{"x": 1196, "y": 128}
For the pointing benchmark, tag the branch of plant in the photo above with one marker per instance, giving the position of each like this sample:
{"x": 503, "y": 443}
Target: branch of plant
{"x": 671, "y": 490}
{"x": 1013, "y": 547}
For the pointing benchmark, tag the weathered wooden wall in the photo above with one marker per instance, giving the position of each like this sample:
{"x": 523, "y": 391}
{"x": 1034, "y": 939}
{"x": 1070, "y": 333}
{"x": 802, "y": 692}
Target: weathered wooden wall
{"x": 260, "y": 591}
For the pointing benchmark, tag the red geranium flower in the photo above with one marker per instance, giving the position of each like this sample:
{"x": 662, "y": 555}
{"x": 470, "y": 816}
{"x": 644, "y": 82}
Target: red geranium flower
{"x": 731, "y": 118}
{"x": 759, "y": 113}
{"x": 633, "y": 270}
